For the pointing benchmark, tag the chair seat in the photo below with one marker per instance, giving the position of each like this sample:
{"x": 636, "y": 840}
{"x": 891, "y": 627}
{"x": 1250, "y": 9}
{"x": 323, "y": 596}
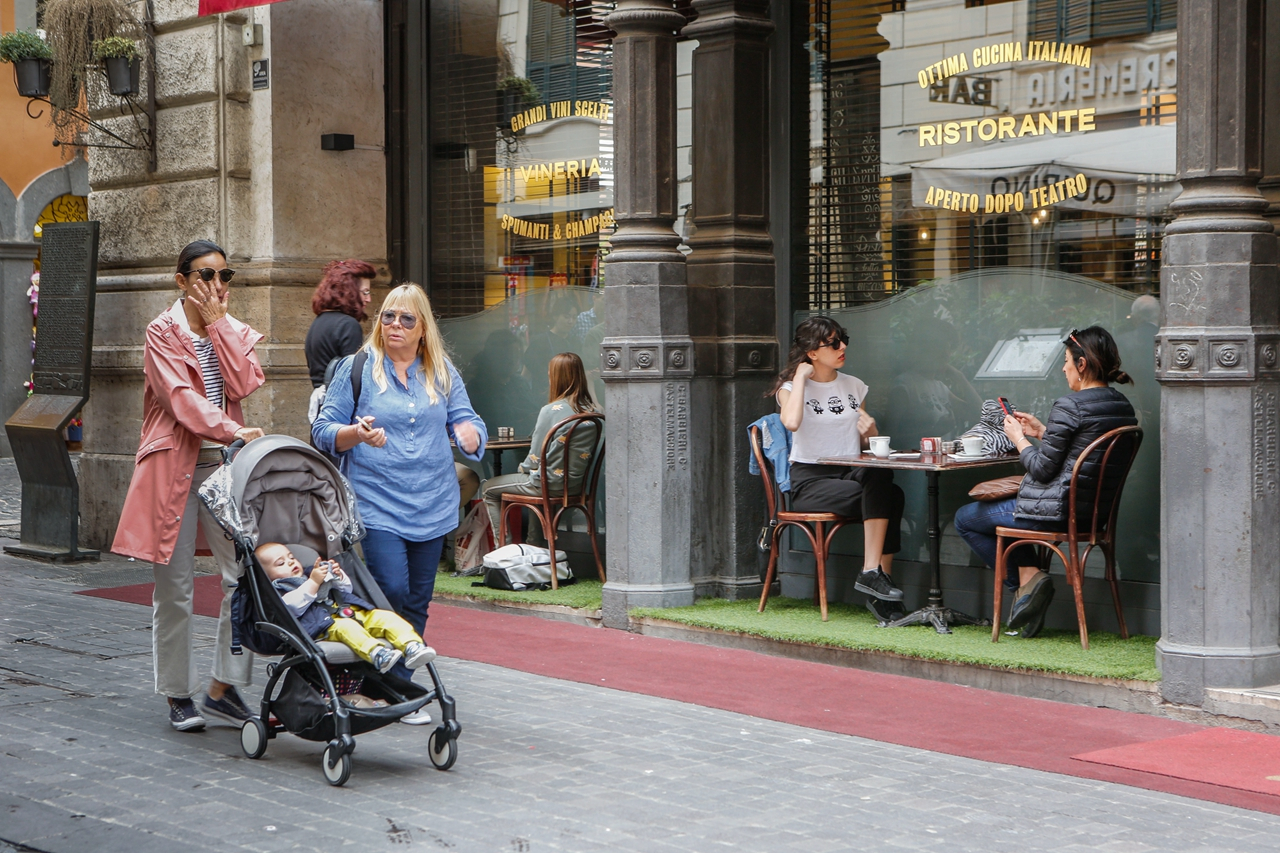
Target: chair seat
{"x": 1034, "y": 535}
{"x": 787, "y": 515}
{"x": 536, "y": 500}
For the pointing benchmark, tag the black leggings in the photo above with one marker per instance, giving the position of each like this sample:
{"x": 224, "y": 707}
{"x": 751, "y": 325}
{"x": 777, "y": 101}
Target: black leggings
{"x": 856, "y": 492}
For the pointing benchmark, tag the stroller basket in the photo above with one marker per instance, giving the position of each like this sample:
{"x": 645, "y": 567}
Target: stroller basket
{"x": 279, "y": 489}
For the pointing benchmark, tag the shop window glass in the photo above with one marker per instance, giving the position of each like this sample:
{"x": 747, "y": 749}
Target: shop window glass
{"x": 521, "y": 149}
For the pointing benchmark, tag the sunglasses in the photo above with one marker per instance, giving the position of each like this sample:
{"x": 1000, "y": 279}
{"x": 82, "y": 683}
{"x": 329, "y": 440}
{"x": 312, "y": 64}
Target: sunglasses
{"x": 207, "y": 274}
{"x": 842, "y": 340}
{"x": 408, "y": 321}
{"x": 1071, "y": 335}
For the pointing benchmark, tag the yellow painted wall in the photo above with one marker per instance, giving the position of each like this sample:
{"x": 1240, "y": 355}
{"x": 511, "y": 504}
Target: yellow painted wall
{"x": 26, "y": 145}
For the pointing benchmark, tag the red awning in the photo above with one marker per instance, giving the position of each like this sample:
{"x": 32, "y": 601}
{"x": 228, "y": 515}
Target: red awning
{"x": 213, "y": 7}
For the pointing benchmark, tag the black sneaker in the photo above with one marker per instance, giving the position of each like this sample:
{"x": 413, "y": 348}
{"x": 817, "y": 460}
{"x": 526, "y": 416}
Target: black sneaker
{"x": 184, "y": 717}
{"x": 1036, "y": 598}
{"x": 885, "y": 611}
{"x": 876, "y": 582}
{"x": 1035, "y": 620}
{"x": 230, "y": 708}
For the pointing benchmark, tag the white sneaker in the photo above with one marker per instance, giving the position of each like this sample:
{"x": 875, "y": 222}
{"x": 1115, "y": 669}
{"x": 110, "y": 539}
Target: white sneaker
{"x": 384, "y": 658}
{"x": 418, "y": 654}
{"x": 420, "y": 717}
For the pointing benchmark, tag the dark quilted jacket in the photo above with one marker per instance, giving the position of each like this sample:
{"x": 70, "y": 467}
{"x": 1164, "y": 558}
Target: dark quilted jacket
{"x": 1076, "y": 420}
{"x": 318, "y": 616}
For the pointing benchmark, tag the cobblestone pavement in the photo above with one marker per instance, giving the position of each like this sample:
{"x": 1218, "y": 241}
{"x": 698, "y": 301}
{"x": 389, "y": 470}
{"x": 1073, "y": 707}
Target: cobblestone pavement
{"x": 10, "y": 501}
{"x": 88, "y": 762}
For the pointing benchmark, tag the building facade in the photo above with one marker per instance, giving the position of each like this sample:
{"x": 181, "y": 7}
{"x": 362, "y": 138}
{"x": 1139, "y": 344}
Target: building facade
{"x": 669, "y": 188}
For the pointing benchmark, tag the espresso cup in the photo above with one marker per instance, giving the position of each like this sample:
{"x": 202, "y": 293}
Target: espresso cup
{"x": 972, "y": 445}
{"x": 879, "y": 445}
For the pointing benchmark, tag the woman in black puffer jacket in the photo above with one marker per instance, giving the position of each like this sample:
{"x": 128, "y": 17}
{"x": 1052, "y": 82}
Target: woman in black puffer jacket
{"x": 1091, "y": 363}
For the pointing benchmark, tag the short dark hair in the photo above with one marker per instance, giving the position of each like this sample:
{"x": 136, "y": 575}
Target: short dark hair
{"x": 197, "y": 249}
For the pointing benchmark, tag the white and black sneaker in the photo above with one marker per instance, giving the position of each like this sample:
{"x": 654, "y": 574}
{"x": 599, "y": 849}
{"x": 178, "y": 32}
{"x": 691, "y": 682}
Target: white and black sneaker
{"x": 418, "y": 654}
{"x": 384, "y": 658}
{"x": 875, "y": 582}
{"x": 184, "y": 717}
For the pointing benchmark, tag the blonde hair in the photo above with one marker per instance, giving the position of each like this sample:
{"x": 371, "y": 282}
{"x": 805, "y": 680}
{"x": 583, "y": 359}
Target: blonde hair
{"x": 431, "y": 348}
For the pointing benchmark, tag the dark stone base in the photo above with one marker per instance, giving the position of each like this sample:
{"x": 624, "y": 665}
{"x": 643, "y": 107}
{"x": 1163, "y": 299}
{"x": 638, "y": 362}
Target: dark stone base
{"x": 54, "y": 555}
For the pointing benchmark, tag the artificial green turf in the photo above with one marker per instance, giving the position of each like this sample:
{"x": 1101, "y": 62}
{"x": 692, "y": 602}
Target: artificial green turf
{"x": 584, "y": 594}
{"x": 852, "y": 627}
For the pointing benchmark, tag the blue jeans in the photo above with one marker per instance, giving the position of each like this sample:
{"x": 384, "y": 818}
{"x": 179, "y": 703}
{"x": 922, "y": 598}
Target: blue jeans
{"x": 406, "y": 572}
{"x": 977, "y": 522}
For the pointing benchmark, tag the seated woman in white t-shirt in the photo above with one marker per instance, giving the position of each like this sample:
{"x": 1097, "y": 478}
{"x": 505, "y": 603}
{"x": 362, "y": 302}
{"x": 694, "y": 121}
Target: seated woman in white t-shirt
{"x": 824, "y": 410}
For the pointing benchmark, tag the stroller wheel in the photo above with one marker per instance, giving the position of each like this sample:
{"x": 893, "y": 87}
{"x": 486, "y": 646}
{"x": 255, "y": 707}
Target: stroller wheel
{"x": 253, "y": 737}
{"x": 335, "y": 773}
{"x": 442, "y": 749}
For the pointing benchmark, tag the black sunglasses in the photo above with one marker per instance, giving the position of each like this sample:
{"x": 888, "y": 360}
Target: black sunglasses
{"x": 408, "y": 321}
{"x": 207, "y": 274}
{"x": 842, "y": 339}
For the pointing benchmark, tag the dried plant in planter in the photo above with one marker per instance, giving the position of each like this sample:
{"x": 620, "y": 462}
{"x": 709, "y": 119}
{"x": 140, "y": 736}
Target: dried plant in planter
{"x": 72, "y": 27}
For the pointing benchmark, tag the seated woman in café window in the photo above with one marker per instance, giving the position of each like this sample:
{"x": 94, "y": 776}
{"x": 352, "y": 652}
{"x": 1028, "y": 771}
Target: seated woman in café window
{"x": 1091, "y": 362}
{"x": 825, "y": 409}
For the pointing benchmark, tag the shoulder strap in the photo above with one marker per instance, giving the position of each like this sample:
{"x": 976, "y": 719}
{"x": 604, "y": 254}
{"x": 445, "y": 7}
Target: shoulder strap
{"x": 357, "y": 379}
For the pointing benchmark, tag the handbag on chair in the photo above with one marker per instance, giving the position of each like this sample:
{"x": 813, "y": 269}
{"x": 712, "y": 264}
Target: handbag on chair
{"x": 998, "y": 489}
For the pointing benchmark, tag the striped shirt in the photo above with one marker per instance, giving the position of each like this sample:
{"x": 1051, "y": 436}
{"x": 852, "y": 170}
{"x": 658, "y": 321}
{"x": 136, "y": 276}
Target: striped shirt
{"x": 210, "y": 370}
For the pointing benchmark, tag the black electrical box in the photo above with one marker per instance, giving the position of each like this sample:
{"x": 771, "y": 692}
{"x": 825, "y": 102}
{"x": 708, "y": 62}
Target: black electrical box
{"x": 337, "y": 141}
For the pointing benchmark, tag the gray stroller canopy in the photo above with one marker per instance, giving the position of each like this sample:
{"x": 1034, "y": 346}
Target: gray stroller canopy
{"x": 279, "y": 489}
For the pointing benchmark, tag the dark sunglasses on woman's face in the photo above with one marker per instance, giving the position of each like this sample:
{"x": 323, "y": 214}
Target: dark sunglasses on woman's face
{"x": 408, "y": 321}
{"x": 841, "y": 340}
{"x": 207, "y": 274}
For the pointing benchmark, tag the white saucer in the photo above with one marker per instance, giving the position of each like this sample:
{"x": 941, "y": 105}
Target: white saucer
{"x": 967, "y": 457}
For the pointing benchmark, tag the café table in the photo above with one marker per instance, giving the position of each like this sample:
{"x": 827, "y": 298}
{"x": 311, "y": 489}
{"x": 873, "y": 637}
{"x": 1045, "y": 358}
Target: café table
{"x": 933, "y": 465}
{"x": 497, "y": 445}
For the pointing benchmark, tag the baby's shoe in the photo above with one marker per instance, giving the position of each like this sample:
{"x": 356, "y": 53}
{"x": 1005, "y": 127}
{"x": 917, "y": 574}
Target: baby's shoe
{"x": 384, "y": 658}
{"x": 418, "y": 654}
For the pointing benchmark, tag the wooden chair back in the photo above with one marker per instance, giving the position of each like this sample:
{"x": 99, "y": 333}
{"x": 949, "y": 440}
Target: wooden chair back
{"x": 1117, "y": 448}
{"x": 772, "y": 498}
{"x": 586, "y": 488}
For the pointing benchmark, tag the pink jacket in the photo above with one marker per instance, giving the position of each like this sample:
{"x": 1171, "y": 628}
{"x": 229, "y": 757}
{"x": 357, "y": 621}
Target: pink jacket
{"x": 176, "y": 417}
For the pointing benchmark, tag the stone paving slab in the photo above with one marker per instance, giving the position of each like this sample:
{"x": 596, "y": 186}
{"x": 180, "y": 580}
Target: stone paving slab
{"x": 544, "y": 765}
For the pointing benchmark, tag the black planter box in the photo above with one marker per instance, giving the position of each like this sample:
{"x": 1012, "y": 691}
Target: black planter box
{"x": 122, "y": 75}
{"x": 32, "y": 77}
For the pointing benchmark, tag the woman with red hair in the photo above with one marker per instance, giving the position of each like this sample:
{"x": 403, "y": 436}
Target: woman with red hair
{"x": 338, "y": 304}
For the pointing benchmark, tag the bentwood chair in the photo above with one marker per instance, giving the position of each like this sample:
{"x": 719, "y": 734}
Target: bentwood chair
{"x": 1109, "y": 459}
{"x": 824, "y": 527}
{"x": 579, "y": 491}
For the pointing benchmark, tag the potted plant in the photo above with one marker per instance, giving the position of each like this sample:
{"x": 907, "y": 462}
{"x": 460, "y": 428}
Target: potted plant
{"x": 32, "y": 61}
{"x": 120, "y": 57}
{"x": 517, "y": 95}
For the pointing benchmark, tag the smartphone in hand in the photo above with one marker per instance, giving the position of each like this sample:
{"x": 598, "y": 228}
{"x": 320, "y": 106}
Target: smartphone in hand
{"x": 1005, "y": 405}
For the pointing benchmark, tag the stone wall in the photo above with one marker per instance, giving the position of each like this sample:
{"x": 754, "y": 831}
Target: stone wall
{"x": 242, "y": 167}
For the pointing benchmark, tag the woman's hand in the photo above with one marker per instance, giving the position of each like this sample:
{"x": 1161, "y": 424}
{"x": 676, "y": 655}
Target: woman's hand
{"x": 248, "y": 434}
{"x": 366, "y": 434}
{"x": 1030, "y": 424}
{"x": 210, "y": 306}
{"x": 467, "y": 437}
{"x": 803, "y": 371}
{"x": 866, "y": 425}
{"x": 1013, "y": 429}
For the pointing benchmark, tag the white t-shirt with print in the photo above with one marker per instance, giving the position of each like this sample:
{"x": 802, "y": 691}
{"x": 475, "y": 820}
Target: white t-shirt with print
{"x": 830, "y": 423}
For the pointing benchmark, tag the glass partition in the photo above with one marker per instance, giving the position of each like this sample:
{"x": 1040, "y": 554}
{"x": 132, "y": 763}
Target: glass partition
{"x": 932, "y": 354}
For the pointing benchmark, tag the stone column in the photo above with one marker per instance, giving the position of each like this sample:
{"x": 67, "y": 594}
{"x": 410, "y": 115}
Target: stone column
{"x": 1218, "y": 358}
{"x": 731, "y": 278}
{"x": 647, "y": 354}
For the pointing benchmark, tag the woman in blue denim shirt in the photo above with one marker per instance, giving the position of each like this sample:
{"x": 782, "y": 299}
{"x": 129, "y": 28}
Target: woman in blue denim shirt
{"x": 394, "y": 447}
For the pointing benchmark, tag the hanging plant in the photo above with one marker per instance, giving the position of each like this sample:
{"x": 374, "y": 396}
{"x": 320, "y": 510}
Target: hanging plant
{"x": 73, "y": 27}
{"x": 31, "y": 57}
{"x": 119, "y": 56}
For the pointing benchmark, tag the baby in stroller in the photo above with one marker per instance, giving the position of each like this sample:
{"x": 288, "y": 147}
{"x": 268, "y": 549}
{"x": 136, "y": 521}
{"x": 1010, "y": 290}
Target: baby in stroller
{"x": 328, "y": 609}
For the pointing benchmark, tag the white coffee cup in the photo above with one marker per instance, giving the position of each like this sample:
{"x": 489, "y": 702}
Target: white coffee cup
{"x": 880, "y": 445}
{"x": 972, "y": 445}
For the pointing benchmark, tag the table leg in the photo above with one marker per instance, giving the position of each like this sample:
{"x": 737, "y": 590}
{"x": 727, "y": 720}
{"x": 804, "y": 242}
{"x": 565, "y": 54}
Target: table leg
{"x": 935, "y": 612}
{"x": 497, "y": 463}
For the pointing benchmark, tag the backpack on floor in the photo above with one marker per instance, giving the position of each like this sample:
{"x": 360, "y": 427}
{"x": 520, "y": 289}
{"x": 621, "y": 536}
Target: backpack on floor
{"x": 524, "y": 567}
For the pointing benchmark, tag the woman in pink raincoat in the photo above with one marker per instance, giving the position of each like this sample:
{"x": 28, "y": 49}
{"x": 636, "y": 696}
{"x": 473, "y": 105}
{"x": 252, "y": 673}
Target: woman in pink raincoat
{"x": 199, "y": 365}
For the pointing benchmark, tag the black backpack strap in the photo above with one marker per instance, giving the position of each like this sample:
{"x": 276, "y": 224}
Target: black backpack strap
{"x": 357, "y": 379}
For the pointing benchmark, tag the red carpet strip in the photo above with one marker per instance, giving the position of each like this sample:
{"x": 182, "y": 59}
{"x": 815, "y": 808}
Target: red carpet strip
{"x": 927, "y": 715}
{"x": 1228, "y": 757}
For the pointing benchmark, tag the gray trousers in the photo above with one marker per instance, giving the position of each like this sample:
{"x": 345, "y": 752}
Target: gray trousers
{"x": 493, "y": 490}
{"x": 171, "y": 624}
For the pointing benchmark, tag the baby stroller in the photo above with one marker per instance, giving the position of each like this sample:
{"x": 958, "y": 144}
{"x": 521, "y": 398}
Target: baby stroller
{"x": 278, "y": 489}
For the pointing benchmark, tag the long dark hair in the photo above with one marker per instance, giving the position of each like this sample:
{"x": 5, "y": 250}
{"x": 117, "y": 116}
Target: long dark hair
{"x": 198, "y": 249}
{"x": 1101, "y": 358}
{"x": 568, "y": 380}
{"x": 810, "y": 335}
{"x": 339, "y": 289}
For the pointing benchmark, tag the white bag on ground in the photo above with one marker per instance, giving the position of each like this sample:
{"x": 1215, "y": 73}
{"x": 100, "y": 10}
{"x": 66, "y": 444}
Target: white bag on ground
{"x": 474, "y": 538}
{"x": 523, "y": 567}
